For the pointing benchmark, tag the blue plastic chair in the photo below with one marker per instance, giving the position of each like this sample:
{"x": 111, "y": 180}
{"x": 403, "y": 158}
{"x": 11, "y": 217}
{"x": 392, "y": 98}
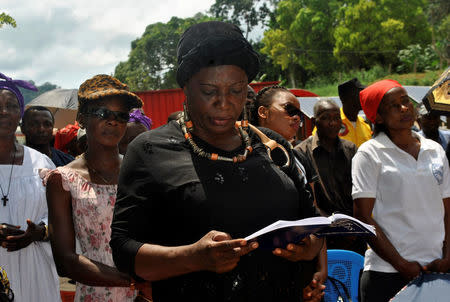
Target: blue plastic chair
{"x": 344, "y": 266}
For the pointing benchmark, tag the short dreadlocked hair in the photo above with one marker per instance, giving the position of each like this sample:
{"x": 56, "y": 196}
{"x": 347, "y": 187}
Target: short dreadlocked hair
{"x": 264, "y": 98}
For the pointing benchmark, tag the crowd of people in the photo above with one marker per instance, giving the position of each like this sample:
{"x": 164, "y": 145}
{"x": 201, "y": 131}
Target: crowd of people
{"x": 136, "y": 215}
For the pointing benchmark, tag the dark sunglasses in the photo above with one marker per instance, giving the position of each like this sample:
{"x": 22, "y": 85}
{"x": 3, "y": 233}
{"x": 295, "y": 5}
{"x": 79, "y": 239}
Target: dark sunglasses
{"x": 291, "y": 110}
{"x": 106, "y": 114}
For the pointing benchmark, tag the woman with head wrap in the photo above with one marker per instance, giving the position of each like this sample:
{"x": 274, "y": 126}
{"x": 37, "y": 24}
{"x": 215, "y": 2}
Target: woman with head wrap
{"x": 25, "y": 252}
{"x": 81, "y": 195}
{"x": 137, "y": 124}
{"x": 401, "y": 185}
{"x": 66, "y": 139}
{"x": 190, "y": 190}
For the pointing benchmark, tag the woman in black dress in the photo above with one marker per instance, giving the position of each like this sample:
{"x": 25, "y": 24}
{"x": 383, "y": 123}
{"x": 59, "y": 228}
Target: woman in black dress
{"x": 188, "y": 189}
{"x": 276, "y": 108}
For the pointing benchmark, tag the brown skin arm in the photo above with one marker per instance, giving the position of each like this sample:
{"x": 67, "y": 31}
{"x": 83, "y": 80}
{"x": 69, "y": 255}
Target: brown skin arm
{"x": 314, "y": 291}
{"x": 62, "y": 234}
{"x": 215, "y": 252}
{"x": 16, "y": 239}
{"x": 443, "y": 265}
{"x": 362, "y": 210}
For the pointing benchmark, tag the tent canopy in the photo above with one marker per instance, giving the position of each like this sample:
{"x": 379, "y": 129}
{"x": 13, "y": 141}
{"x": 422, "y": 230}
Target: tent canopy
{"x": 63, "y": 103}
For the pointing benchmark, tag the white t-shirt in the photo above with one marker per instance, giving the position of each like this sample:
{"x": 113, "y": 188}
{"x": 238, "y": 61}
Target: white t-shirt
{"x": 408, "y": 197}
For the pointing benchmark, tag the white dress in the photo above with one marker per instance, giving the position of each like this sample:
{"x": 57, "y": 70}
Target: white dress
{"x": 31, "y": 270}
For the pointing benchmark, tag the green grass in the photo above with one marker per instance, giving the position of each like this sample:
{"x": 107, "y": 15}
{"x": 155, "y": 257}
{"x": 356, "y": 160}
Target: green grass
{"x": 417, "y": 79}
{"x": 325, "y": 90}
{"x": 327, "y": 86}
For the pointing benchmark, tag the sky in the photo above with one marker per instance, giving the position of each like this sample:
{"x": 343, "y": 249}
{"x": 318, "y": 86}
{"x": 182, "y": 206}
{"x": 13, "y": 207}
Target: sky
{"x": 66, "y": 42}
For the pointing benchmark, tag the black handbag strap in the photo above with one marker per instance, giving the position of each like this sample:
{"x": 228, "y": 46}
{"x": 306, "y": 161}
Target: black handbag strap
{"x": 338, "y": 284}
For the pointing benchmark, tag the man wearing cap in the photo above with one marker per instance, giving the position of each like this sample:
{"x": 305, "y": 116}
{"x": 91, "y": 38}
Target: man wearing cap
{"x": 429, "y": 123}
{"x": 353, "y": 128}
{"x": 37, "y": 126}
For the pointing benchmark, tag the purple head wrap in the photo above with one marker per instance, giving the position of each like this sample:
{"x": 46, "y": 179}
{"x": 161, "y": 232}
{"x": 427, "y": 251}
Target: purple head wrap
{"x": 137, "y": 117}
{"x": 11, "y": 85}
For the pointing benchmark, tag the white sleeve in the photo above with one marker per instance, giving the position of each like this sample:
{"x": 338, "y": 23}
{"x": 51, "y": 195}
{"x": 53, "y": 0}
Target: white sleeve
{"x": 445, "y": 186}
{"x": 365, "y": 171}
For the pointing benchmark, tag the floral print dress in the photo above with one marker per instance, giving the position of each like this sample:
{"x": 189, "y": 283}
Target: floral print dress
{"x": 92, "y": 211}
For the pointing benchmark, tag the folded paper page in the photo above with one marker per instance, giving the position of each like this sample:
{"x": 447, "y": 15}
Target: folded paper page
{"x": 283, "y": 232}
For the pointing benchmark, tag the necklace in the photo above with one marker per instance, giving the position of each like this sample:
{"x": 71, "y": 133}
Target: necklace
{"x": 95, "y": 171}
{"x": 5, "y": 198}
{"x": 187, "y": 126}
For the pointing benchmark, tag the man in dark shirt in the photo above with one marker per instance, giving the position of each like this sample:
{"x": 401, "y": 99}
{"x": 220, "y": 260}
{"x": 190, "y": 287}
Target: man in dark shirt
{"x": 331, "y": 157}
{"x": 37, "y": 126}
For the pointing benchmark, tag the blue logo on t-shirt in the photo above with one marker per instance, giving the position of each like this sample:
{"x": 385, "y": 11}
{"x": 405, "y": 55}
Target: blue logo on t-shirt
{"x": 438, "y": 172}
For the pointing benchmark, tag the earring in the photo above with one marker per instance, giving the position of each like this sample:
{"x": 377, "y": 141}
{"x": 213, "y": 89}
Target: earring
{"x": 187, "y": 120}
{"x": 244, "y": 121}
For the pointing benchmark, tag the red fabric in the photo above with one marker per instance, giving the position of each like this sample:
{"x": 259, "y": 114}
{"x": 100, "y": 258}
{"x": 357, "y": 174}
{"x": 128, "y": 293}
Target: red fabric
{"x": 65, "y": 136}
{"x": 371, "y": 96}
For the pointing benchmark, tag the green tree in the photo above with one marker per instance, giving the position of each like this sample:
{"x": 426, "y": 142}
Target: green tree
{"x": 372, "y": 32}
{"x": 152, "y": 61}
{"x": 301, "y": 38}
{"x": 6, "y": 19}
{"x": 245, "y": 13}
{"x": 438, "y": 12}
{"x": 29, "y": 95}
{"x": 417, "y": 59}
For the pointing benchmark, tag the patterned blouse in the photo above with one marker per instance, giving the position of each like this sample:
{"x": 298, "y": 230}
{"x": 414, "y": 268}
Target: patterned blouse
{"x": 92, "y": 210}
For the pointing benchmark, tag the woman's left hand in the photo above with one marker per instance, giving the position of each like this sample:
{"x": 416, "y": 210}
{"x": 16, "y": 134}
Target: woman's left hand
{"x": 307, "y": 249}
{"x": 34, "y": 232}
{"x": 438, "y": 265}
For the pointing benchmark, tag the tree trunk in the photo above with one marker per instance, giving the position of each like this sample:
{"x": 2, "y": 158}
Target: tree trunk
{"x": 433, "y": 46}
{"x": 292, "y": 77}
{"x": 246, "y": 34}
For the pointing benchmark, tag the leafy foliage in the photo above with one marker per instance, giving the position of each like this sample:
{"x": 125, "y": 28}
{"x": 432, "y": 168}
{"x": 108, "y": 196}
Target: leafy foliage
{"x": 152, "y": 61}
{"x": 307, "y": 42}
{"x": 7, "y": 19}
{"x": 417, "y": 59}
{"x": 372, "y": 32}
{"x": 302, "y": 37}
{"x": 245, "y": 13}
{"x": 438, "y": 13}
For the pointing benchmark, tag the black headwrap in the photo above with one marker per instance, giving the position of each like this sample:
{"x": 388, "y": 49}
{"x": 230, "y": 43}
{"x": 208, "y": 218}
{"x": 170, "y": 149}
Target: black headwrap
{"x": 214, "y": 43}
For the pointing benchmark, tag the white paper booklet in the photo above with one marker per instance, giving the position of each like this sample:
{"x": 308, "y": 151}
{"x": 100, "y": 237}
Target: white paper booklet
{"x": 282, "y": 232}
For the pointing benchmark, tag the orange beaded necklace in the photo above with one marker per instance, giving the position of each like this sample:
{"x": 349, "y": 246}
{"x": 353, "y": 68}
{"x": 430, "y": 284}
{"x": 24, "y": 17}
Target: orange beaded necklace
{"x": 187, "y": 127}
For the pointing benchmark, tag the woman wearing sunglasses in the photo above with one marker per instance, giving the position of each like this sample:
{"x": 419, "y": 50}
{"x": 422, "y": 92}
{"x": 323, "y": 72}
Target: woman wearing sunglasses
{"x": 82, "y": 194}
{"x": 277, "y": 109}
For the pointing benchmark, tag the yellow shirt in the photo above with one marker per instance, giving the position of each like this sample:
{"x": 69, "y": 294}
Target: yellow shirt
{"x": 357, "y": 135}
